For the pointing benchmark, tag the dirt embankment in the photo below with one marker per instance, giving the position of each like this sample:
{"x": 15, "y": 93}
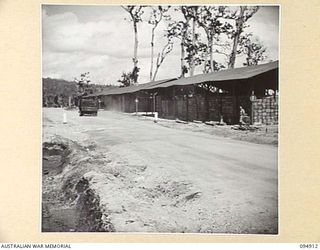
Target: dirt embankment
{"x": 68, "y": 202}
{"x": 86, "y": 190}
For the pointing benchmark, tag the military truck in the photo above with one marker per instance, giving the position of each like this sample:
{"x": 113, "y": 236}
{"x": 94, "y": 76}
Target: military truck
{"x": 88, "y": 106}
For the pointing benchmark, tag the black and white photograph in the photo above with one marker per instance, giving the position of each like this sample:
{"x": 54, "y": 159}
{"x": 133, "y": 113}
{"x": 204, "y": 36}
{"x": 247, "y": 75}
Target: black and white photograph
{"x": 160, "y": 118}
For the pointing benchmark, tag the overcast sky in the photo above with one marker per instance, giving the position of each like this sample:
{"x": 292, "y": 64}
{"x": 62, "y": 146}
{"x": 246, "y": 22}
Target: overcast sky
{"x": 98, "y": 39}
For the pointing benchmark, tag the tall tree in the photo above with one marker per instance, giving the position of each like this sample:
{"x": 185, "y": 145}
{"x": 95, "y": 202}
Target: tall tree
{"x": 185, "y": 31}
{"x": 161, "y": 56}
{"x": 126, "y": 79}
{"x": 190, "y": 14}
{"x": 135, "y": 12}
{"x": 157, "y": 14}
{"x": 211, "y": 20}
{"x": 253, "y": 49}
{"x": 240, "y": 16}
{"x": 178, "y": 30}
{"x": 83, "y": 83}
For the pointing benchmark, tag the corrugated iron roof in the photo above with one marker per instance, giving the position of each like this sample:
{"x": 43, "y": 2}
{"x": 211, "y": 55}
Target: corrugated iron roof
{"x": 224, "y": 75}
{"x": 132, "y": 88}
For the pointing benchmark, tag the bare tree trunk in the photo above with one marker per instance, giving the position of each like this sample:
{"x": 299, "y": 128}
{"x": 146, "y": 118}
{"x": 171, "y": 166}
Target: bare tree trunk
{"x": 184, "y": 34}
{"x": 156, "y": 71}
{"x": 152, "y": 53}
{"x": 193, "y": 46}
{"x": 205, "y": 62}
{"x": 239, "y": 24}
{"x": 155, "y": 74}
{"x": 135, "y": 52}
{"x": 248, "y": 57}
{"x": 232, "y": 59}
{"x": 161, "y": 56}
{"x": 211, "y": 54}
{"x": 182, "y": 57}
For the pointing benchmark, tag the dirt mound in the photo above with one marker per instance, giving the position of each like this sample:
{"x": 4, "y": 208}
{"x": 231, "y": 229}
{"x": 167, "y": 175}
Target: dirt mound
{"x": 68, "y": 202}
{"x": 54, "y": 157}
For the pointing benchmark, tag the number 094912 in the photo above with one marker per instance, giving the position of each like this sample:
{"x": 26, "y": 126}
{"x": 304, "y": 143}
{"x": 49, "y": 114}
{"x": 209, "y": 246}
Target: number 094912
{"x": 308, "y": 246}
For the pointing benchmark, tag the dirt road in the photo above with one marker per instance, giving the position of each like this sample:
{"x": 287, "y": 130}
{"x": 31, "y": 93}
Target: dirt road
{"x": 151, "y": 178}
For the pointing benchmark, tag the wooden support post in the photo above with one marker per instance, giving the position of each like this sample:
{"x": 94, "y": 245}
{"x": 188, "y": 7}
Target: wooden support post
{"x": 234, "y": 105}
{"x": 197, "y": 106}
{"x": 174, "y": 103}
{"x": 187, "y": 108}
{"x": 136, "y": 101}
{"x": 196, "y": 101}
{"x": 252, "y": 99}
{"x": 154, "y": 102}
{"x": 220, "y": 105}
{"x": 206, "y": 103}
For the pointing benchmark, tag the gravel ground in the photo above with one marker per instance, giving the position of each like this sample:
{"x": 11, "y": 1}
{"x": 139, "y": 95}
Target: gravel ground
{"x": 128, "y": 174}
